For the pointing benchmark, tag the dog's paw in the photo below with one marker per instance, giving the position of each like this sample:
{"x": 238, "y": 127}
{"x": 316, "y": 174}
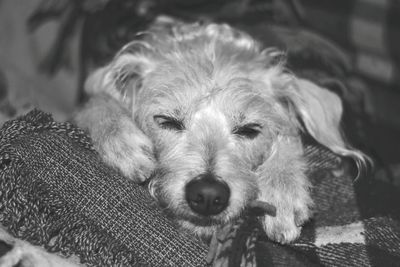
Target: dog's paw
{"x": 286, "y": 226}
{"x": 131, "y": 153}
{"x": 282, "y": 228}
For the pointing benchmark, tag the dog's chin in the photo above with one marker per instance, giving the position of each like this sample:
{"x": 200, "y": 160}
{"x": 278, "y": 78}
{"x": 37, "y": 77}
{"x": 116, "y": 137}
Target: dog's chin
{"x": 202, "y": 231}
{"x": 203, "y": 226}
{"x": 204, "y": 221}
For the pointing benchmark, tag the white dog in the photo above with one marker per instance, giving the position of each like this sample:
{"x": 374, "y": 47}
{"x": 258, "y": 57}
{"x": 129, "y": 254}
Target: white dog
{"x": 215, "y": 122}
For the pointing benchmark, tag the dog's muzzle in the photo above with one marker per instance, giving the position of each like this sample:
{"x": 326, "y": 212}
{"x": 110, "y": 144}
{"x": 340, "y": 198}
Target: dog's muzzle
{"x": 207, "y": 196}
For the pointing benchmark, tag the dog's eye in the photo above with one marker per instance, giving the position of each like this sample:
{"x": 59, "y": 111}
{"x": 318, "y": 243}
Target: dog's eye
{"x": 249, "y": 131}
{"x": 169, "y": 123}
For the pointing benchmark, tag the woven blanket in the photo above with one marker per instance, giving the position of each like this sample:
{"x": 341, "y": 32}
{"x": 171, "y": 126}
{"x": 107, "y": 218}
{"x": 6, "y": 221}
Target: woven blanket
{"x": 368, "y": 30}
{"x": 55, "y": 192}
{"x": 356, "y": 223}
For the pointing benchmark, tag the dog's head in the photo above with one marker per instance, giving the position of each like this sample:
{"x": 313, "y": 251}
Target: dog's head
{"x": 214, "y": 103}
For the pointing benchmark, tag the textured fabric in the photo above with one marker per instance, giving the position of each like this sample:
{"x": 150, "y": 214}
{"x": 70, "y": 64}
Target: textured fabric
{"x": 356, "y": 223}
{"x": 369, "y": 30}
{"x": 55, "y": 192}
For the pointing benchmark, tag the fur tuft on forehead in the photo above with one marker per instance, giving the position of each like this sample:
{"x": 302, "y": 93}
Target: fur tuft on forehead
{"x": 211, "y": 47}
{"x": 212, "y": 38}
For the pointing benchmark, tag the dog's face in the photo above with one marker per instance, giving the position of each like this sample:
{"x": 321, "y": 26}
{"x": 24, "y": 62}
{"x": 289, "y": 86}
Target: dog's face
{"x": 209, "y": 138}
{"x": 214, "y": 105}
{"x": 212, "y": 118}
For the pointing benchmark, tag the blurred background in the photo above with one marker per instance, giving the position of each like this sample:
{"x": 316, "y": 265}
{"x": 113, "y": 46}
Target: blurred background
{"x": 48, "y": 47}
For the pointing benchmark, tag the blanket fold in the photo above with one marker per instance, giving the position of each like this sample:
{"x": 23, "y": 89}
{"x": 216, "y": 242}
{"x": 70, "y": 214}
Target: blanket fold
{"x": 55, "y": 192}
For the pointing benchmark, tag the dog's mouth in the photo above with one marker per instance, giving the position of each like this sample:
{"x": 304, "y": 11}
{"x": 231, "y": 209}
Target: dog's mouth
{"x": 200, "y": 220}
{"x": 186, "y": 214}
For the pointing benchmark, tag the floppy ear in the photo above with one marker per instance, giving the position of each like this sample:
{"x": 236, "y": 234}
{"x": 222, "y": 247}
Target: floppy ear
{"x": 122, "y": 78}
{"x": 321, "y": 111}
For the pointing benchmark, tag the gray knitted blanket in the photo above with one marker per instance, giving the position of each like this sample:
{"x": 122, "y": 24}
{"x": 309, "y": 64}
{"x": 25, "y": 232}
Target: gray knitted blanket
{"x": 55, "y": 192}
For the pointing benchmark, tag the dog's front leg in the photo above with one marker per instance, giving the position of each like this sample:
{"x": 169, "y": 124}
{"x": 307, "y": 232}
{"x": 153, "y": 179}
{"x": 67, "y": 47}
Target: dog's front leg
{"x": 283, "y": 183}
{"x": 117, "y": 138}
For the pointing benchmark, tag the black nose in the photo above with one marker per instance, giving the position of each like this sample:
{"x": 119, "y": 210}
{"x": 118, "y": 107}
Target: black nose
{"x": 207, "y": 196}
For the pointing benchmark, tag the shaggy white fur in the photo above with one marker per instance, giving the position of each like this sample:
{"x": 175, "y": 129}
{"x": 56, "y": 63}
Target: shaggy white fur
{"x": 192, "y": 99}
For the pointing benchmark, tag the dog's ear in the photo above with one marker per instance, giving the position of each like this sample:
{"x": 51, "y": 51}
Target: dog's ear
{"x": 122, "y": 77}
{"x": 320, "y": 111}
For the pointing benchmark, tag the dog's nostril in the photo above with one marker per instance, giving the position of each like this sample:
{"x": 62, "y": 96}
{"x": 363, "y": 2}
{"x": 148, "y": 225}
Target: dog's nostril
{"x": 207, "y": 196}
